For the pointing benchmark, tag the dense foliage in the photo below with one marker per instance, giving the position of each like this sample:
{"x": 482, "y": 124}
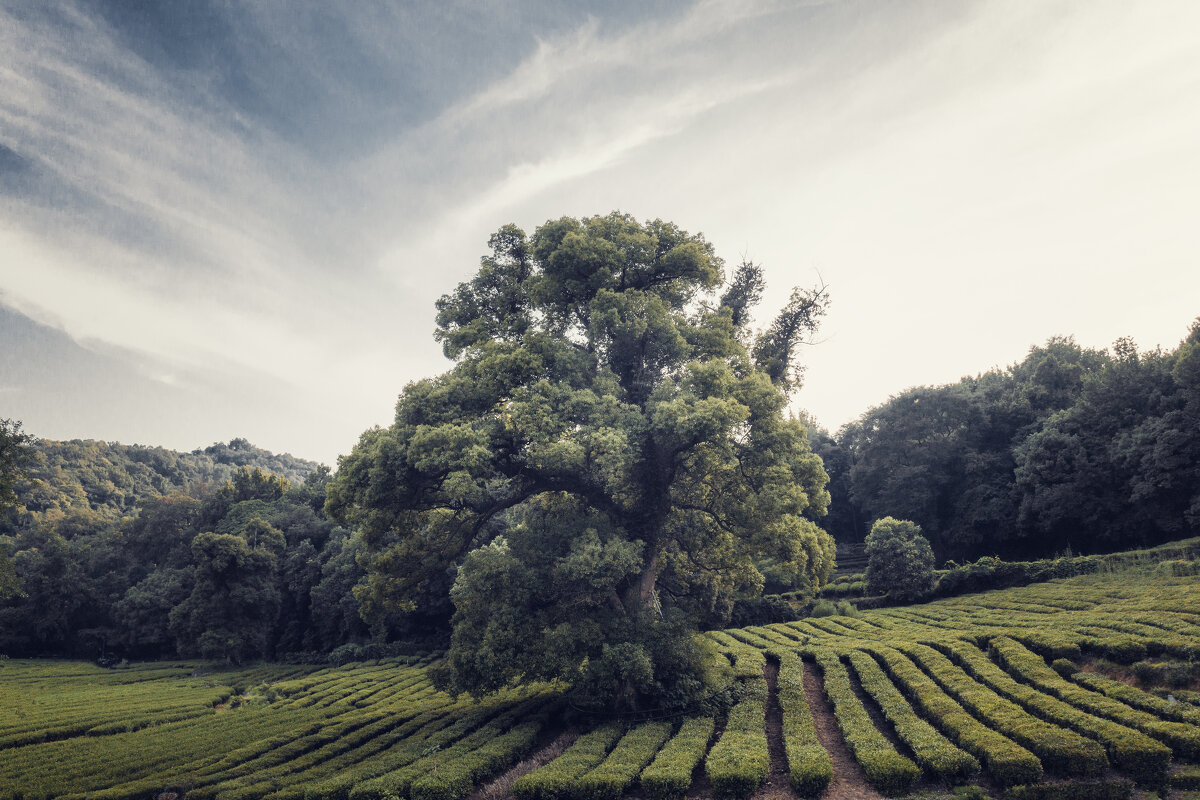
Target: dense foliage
{"x": 15, "y": 456}
{"x": 104, "y": 481}
{"x": 142, "y": 552}
{"x": 1071, "y": 448}
{"x": 899, "y": 559}
{"x": 603, "y": 464}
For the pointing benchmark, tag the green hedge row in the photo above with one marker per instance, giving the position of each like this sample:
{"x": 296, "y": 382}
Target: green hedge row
{"x": 1090, "y": 790}
{"x": 1123, "y": 649}
{"x": 264, "y": 776}
{"x": 1183, "y": 738}
{"x": 938, "y": 757}
{"x": 1050, "y": 644}
{"x": 1059, "y": 750}
{"x": 344, "y": 755}
{"x": 556, "y": 780}
{"x": 887, "y": 770}
{"x": 1159, "y": 640}
{"x": 1180, "y": 712}
{"x": 1143, "y": 758}
{"x": 1188, "y": 779}
{"x": 416, "y": 758}
{"x": 670, "y": 774}
{"x": 748, "y": 661}
{"x": 809, "y": 767}
{"x": 405, "y": 746}
{"x": 455, "y": 776}
{"x": 738, "y": 762}
{"x": 1006, "y": 761}
{"x": 616, "y": 773}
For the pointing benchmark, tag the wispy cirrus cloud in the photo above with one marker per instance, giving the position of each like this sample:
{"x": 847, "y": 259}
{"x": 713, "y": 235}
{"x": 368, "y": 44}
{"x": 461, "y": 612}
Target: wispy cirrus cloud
{"x": 213, "y": 190}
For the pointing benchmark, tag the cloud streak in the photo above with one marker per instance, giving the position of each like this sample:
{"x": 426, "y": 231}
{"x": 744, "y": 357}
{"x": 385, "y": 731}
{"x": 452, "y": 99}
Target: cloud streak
{"x": 284, "y": 200}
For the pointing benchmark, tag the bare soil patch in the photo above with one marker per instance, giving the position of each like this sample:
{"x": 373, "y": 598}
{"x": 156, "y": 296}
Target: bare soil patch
{"x": 776, "y": 786}
{"x": 849, "y": 782}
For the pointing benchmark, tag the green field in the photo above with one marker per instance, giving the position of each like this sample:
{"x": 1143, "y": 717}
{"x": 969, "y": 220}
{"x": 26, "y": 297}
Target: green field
{"x": 970, "y": 690}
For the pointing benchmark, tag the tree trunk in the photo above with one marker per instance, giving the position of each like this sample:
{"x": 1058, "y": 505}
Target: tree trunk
{"x": 639, "y": 597}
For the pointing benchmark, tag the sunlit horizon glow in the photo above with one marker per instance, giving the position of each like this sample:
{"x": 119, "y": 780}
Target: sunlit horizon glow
{"x": 222, "y": 222}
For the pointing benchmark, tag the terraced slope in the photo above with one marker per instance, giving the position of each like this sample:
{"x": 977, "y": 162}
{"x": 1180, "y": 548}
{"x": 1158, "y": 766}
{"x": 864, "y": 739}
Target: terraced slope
{"x": 73, "y": 730}
{"x": 965, "y": 684}
{"x": 968, "y": 690}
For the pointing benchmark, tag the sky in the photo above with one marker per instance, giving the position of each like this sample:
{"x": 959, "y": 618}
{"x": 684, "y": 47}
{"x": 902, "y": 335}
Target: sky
{"x": 226, "y": 220}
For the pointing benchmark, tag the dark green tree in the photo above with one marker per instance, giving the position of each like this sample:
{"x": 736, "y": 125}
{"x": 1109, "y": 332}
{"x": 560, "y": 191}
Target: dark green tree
{"x": 235, "y": 599}
{"x": 143, "y": 615}
{"x": 899, "y": 559}
{"x": 1118, "y": 468}
{"x": 609, "y": 454}
{"x": 945, "y": 456}
{"x": 15, "y": 456}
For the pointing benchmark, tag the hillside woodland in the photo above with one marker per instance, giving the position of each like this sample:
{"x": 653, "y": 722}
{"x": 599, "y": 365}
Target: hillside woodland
{"x": 139, "y": 551}
{"x": 1070, "y": 449}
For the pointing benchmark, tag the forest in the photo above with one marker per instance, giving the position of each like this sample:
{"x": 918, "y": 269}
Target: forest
{"x": 594, "y": 391}
{"x": 1069, "y": 449}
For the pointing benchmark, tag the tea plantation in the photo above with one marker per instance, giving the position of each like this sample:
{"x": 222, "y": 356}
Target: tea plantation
{"x": 1022, "y": 693}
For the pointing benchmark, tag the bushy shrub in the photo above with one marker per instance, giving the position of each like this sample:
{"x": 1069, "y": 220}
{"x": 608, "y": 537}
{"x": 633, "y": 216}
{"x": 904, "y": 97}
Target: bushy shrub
{"x": 1180, "y": 712}
{"x": 844, "y": 608}
{"x": 1121, "y": 649}
{"x": 556, "y": 780}
{"x": 1060, "y": 750}
{"x": 899, "y": 559}
{"x": 617, "y": 772}
{"x": 829, "y": 608}
{"x": 940, "y": 759}
{"x": 887, "y": 770}
{"x": 809, "y": 767}
{"x": 738, "y": 762}
{"x": 1093, "y": 790}
{"x": 763, "y": 610}
{"x": 1139, "y": 755}
{"x": 455, "y": 778}
{"x": 1006, "y": 761}
{"x": 1145, "y": 760}
{"x": 823, "y": 608}
{"x": 1051, "y": 645}
{"x": 1186, "y": 780}
{"x": 1175, "y": 674}
{"x": 670, "y": 774}
{"x": 1179, "y": 568}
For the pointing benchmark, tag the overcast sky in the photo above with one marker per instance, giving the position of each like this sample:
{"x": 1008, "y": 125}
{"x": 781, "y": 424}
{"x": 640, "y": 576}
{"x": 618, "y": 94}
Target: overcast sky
{"x": 233, "y": 219}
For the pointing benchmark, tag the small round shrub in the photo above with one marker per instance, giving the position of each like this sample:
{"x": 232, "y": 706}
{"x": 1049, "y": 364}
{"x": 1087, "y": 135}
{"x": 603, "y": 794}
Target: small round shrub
{"x": 899, "y": 559}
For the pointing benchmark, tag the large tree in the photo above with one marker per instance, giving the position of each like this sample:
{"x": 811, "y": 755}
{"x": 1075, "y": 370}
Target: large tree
{"x": 607, "y": 457}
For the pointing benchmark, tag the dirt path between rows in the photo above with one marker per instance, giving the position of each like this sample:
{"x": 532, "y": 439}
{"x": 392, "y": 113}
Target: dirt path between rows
{"x": 849, "y": 781}
{"x": 776, "y": 786}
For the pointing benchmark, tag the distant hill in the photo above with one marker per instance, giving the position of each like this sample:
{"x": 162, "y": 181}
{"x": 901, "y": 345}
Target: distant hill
{"x": 112, "y": 479}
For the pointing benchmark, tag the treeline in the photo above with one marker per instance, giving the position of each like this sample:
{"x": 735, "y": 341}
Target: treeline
{"x": 142, "y": 552}
{"x": 1072, "y": 449}
{"x": 226, "y": 552}
{"x": 107, "y": 480}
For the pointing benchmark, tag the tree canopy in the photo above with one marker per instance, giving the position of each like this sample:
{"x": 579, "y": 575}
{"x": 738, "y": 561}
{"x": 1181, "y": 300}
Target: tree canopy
{"x": 1069, "y": 448}
{"x": 899, "y": 559}
{"x": 15, "y": 457}
{"x": 605, "y": 460}
{"x": 139, "y": 552}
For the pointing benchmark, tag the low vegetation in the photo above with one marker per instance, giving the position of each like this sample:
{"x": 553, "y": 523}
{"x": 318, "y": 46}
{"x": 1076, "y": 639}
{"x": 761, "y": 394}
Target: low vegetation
{"x": 925, "y": 696}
